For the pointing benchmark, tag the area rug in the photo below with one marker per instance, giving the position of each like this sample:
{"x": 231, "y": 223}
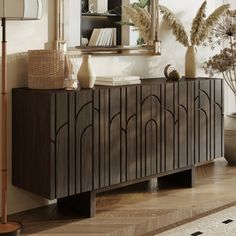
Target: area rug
{"x": 222, "y": 223}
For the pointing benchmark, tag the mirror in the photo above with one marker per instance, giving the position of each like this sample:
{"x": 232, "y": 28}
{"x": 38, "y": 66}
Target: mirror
{"x": 107, "y": 26}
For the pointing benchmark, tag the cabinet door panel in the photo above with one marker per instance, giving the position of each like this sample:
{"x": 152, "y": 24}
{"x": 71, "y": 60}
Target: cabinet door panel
{"x": 84, "y": 141}
{"x": 218, "y": 118}
{"x": 183, "y": 120}
{"x": 157, "y": 127}
{"x": 114, "y": 135}
{"x": 205, "y": 120}
{"x": 96, "y": 139}
{"x": 62, "y": 148}
{"x": 130, "y": 125}
{"x": 208, "y": 122}
{"x": 146, "y": 130}
{"x": 170, "y": 127}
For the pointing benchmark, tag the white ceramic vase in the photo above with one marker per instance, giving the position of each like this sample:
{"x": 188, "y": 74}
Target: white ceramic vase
{"x": 191, "y": 62}
{"x": 86, "y": 75}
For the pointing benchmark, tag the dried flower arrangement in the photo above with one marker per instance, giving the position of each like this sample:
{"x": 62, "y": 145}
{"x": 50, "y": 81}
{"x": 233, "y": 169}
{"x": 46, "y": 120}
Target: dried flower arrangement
{"x": 225, "y": 61}
{"x": 201, "y": 26}
{"x": 224, "y": 31}
{"x": 136, "y": 15}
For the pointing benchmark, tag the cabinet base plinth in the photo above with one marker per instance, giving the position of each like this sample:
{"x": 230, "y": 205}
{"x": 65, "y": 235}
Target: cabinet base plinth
{"x": 84, "y": 204}
{"x": 181, "y": 179}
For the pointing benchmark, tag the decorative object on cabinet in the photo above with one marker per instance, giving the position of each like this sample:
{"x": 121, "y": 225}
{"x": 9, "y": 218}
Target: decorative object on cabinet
{"x": 200, "y": 30}
{"x": 171, "y": 73}
{"x": 117, "y": 80}
{"x": 93, "y": 140}
{"x": 72, "y": 33}
{"x": 46, "y": 69}
{"x": 11, "y": 10}
{"x": 71, "y": 81}
{"x": 86, "y": 74}
{"x": 191, "y": 62}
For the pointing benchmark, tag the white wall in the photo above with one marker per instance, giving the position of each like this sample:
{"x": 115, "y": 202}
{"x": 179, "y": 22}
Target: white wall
{"x": 23, "y": 36}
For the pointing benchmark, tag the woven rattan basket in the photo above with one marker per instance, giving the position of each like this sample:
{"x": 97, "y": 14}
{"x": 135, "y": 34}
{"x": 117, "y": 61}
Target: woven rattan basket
{"x": 46, "y": 69}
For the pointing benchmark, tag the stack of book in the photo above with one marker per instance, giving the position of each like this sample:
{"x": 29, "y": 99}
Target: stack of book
{"x": 117, "y": 80}
{"x": 103, "y": 37}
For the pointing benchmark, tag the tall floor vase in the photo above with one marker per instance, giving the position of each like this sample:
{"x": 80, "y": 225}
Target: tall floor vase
{"x": 191, "y": 62}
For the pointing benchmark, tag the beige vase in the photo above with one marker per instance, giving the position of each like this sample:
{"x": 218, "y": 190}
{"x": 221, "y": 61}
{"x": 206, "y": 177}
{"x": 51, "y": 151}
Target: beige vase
{"x": 191, "y": 62}
{"x": 86, "y": 75}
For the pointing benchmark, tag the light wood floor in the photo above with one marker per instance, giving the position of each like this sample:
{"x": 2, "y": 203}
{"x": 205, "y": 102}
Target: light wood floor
{"x": 129, "y": 212}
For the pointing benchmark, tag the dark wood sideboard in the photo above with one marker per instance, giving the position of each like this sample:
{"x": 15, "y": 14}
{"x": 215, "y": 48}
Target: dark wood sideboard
{"x": 70, "y": 145}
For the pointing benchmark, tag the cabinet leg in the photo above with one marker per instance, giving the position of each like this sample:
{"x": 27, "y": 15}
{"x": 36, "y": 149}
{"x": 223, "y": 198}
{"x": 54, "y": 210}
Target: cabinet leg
{"x": 84, "y": 203}
{"x": 181, "y": 179}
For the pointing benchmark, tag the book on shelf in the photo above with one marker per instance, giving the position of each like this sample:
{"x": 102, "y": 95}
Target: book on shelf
{"x": 95, "y": 37}
{"x": 103, "y": 37}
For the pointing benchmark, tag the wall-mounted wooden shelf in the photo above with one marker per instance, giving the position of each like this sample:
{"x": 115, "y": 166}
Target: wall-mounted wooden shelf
{"x": 101, "y": 15}
{"x": 106, "y": 51}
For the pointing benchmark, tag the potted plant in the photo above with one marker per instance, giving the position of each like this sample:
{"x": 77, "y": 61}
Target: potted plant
{"x": 201, "y": 28}
{"x": 224, "y": 63}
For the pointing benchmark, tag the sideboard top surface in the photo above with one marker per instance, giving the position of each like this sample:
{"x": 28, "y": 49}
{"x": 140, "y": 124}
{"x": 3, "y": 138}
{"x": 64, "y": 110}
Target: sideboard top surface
{"x": 149, "y": 81}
